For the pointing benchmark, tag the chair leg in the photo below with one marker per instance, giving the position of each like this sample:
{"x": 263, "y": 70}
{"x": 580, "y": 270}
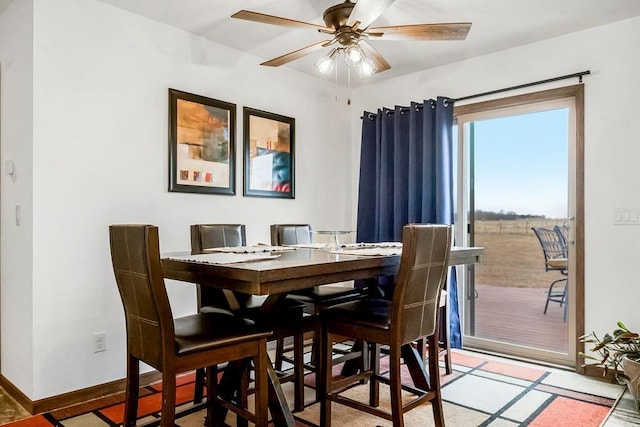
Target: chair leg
{"x": 298, "y": 368}
{"x": 243, "y": 393}
{"x": 261, "y": 393}
{"x": 315, "y": 347}
{"x": 131, "y": 393}
{"x": 211, "y": 378}
{"x": 550, "y": 295}
{"x": 277, "y": 365}
{"x": 448, "y": 369}
{"x": 395, "y": 387}
{"x": 168, "y": 415}
{"x": 546, "y": 304}
{"x": 199, "y": 385}
{"x": 374, "y": 365}
{"x": 326, "y": 348}
{"x": 317, "y": 359}
{"x": 443, "y": 338}
{"x": 434, "y": 381}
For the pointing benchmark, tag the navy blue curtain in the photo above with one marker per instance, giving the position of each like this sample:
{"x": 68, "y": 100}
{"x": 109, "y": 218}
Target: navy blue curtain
{"x": 406, "y": 176}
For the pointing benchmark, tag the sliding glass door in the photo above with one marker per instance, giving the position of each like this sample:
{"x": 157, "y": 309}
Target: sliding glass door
{"x": 517, "y": 171}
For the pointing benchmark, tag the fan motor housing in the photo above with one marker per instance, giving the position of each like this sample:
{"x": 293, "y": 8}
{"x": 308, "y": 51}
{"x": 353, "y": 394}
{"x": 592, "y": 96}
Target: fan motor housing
{"x": 338, "y": 15}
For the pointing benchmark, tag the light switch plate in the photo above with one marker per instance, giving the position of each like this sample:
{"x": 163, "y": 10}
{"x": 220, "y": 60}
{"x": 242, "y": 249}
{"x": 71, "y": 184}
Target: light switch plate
{"x": 626, "y": 216}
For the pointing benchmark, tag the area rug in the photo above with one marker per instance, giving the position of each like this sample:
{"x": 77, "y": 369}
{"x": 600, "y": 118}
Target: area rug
{"x": 481, "y": 391}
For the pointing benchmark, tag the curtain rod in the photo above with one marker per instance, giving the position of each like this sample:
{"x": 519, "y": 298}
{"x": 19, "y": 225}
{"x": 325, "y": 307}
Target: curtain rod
{"x": 506, "y": 89}
{"x": 539, "y": 82}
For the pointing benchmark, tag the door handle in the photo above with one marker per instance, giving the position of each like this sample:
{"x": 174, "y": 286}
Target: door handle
{"x": 571, "y": 235}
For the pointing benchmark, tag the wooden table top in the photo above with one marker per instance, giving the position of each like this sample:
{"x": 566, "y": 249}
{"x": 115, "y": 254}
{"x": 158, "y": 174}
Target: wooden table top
{"x": 294, "y": 270}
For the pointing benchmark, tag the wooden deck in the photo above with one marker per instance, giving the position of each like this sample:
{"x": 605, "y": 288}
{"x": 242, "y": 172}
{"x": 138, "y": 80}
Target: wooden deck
{"x": 516, "y": 315}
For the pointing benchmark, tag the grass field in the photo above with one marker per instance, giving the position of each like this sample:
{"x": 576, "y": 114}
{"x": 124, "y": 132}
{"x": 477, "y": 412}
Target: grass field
{"x": 512, "y": 256}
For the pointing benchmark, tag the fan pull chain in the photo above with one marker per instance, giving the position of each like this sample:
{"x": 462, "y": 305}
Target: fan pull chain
{"x": 348, "y": 85}
{"x": 336, "y": 80}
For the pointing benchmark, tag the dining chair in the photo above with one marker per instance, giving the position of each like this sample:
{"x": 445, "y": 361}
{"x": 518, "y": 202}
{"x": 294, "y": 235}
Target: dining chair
{"x": 554, "y": 250}
{"x": 287, "y": 322}
{"x": 175, "y": 345}
{"x": 318, "y": 298}
{"x": 396, "y": 323}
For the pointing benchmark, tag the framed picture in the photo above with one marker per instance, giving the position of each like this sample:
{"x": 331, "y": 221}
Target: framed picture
{"x": 202, "y": 144}
{"x": 269, "y": 160}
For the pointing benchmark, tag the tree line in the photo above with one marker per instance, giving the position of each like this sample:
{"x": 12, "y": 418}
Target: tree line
{"x": 481, "y": 215}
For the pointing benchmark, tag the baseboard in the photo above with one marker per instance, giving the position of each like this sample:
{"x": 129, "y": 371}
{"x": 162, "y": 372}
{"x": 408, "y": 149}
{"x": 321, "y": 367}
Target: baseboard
{"x": 76, "y": 397}
{"x": 598, "y": 373}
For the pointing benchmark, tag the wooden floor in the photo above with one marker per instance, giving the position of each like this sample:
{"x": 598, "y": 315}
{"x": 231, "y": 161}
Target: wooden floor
{"x": 516, "y": 315}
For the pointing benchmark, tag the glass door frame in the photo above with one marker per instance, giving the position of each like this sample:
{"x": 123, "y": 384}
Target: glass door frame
{"x": 573, "y": 98}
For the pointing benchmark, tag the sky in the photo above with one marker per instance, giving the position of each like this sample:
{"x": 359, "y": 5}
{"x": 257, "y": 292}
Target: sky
{"x": 521, "y": 163}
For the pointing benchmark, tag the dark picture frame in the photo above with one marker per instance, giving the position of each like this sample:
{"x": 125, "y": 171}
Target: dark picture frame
{"x": 269, "y": 154}
{"x": 202, "y": 144}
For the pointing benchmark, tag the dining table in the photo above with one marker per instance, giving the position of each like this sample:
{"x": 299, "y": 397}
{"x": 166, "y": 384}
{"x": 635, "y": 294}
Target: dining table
{"x": 276, "y": 271}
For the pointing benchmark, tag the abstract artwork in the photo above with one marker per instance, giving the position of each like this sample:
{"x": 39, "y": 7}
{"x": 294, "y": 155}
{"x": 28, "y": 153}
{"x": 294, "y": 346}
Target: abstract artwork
{"x": 201, "y": 144}
{"x": 269, "y": 166}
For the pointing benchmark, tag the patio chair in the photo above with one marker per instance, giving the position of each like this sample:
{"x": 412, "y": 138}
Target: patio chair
{"x": 554, "y": 249}
{"x": 563, "y": 233}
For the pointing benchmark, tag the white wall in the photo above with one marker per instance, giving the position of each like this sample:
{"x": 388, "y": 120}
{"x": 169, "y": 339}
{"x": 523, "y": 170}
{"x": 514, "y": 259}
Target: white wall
{"x": 100, "y": 156}
{"x": 16, "y": 139}
{"x": 612, "y": 146}
{"x": 86, "y": 102}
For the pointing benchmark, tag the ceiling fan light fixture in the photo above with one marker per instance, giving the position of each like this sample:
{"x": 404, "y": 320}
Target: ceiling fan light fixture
{"x": 353, "y": 55}
{"x": 349, "y": 24}
{"x": 366, "y": 68}
{"x": 326, "y": 64}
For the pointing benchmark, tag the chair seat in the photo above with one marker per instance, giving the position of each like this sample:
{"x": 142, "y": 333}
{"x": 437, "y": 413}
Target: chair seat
{"x": 285, "y": 321}
{"x": 254, "y": 304}
{"x": 322, "y": 297}
{"x": 204, "y": 331}
{"x": 282, "y": 321}
{"x": 557, "y": 263}
{"x": 366, "y": 312}
{"x": 326, "y": 292}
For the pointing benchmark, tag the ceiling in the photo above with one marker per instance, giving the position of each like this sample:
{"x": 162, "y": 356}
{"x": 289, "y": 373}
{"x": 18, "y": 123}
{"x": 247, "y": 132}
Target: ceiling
{"x": 497, "y": 25}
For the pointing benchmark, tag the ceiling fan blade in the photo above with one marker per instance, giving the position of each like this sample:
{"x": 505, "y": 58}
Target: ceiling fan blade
{"x": 367, "y": 11}
{"x": 374, "y": 56}
{"x": 448, "y": 31}
{"x": 296, "y": 54}
{"x": 247, "y": 15}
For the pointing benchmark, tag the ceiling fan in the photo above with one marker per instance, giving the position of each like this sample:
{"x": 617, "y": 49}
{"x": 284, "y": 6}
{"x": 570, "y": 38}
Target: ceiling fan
{"x": 349, "y": 24}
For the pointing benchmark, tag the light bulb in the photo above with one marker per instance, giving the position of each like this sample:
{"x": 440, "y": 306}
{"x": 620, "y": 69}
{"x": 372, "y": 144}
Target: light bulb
{"x": 326, "y": 63}
{"x": 353, "y": 56}
{"x": 366, "y": 68}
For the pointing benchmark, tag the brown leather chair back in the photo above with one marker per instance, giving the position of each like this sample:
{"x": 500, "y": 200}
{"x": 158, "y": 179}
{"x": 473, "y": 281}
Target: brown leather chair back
{"x": 135, "y": 256}
{"x": 205, "y": 236}
{"x": 290, "y": 234}
{"x": 420, "y": 279}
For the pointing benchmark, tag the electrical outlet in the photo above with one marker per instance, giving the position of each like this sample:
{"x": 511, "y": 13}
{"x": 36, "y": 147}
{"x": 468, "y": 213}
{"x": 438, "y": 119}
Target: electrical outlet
{"x": 99, "y": 342}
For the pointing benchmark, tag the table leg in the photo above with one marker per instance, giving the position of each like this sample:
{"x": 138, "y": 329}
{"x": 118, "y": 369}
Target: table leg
{"x": 280, "y": 411}
{"x": 353, "y": 366}
{"x": 416, "y": 367}
{"x": 229, "y": 390}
